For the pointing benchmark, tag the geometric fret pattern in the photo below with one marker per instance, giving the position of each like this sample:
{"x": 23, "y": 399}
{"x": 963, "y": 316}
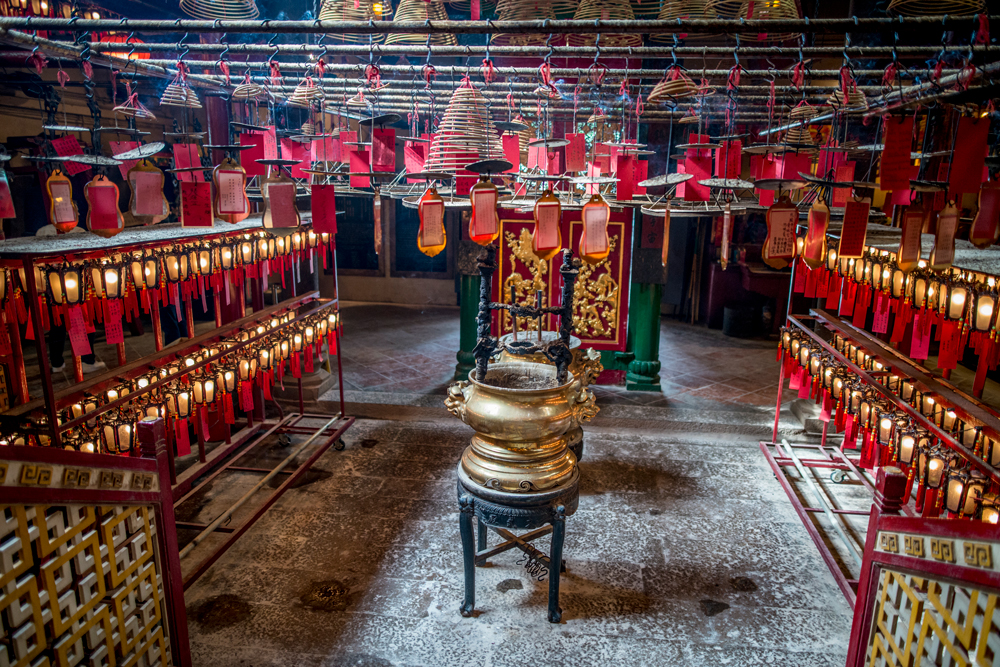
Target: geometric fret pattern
{"x": 80, "y": 585}
{"x": 921, "y": 621}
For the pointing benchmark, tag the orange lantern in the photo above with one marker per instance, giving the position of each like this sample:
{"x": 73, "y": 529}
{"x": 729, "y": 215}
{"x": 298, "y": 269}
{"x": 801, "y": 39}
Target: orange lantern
{"x": 122, "y": 38}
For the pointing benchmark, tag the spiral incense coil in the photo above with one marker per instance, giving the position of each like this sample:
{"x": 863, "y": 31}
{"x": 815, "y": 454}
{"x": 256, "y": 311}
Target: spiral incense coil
{"x": 304, "y": 95}
{"x": 308, "y": 128}
{"x": 347, "y": 10}
{"x": 759, "y": 11}
{"x": 522, "y": 10}
{"x": 673, "y": 90}
{"x": 465, "y": 6}
{"x": 136, "y": 110}
{"x": 646, "y": 10}
{"x": 855, "y": 102}
{"x": 466, "y": 134}
{"x": 936, "y": 7}
{"x": 179, "y": 95}
{"x": 210, "y": 10}
{"x": 604, "y": 10}
{"x": 671, "y": 10}
{"x": 421, "y": 10}
{"x": 246, "y": 92}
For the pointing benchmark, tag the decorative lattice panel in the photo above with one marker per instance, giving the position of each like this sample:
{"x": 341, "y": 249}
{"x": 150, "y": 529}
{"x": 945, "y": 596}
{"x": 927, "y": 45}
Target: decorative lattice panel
{"x": 921, "y": 621}
{"x": 80, "y": 585}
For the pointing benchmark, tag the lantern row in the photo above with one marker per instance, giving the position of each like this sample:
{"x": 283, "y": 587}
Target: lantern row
{"x": 254, "y": 357}
{"x": 890, "y": 436}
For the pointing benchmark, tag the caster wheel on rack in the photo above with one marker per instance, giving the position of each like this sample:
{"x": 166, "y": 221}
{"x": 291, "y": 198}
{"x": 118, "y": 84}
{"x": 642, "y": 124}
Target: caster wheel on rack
{"x": 339, "y": 444}
{"x": 839, "y": 476}
{"x": 284, "y": 440}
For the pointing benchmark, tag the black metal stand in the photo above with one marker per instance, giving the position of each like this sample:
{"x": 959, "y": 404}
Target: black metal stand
{"x": 539, "y": 513}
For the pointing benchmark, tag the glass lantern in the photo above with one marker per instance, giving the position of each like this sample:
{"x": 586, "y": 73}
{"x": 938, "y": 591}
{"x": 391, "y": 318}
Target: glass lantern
{"x": 66, "y": 284}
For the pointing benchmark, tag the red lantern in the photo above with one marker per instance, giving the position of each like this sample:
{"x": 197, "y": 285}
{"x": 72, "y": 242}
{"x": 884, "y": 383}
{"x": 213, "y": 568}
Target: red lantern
{"x": 122, "y": 38}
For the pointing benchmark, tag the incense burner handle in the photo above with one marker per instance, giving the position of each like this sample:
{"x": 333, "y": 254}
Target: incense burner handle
{"x": 584, "y": 406}
{"x": 457, "y": 398}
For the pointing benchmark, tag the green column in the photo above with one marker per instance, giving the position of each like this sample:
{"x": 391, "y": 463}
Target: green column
{"x": 468, "y": 300}
{"x": 644, "y": 337}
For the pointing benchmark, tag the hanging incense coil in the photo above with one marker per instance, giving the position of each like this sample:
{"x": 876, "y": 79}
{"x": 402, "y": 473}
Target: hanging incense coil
{"x": 226, "y": 10}
{"x": 305, "y": 94}
{"x": 466, "y": 134}
{"x": 179, "y": 94}
{"x": 855, "y": 102}
{"x": 421, "y": 10}
{"x": 522, "y": 10}
{"x": 604, "y": 10}
{"x": 246, "y": 92}
{"x": 646, "y": 10}
{"x": 759, "y": 11}
{"x": 672, "y": 90}
{"x": 671, "y": 10}
{"x": 358, "y": 100}
{"x": 936, "y": 8}
{"x": 308, "y": 128}
{"x": 133, "y": 108}
{"x": 354, "y": 10}
{"x": 464, "y": 7}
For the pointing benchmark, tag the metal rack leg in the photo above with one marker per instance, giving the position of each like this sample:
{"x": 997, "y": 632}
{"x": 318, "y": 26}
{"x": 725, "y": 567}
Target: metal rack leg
{"x": 555, "y": 563}
{"x": 468, "y": 554}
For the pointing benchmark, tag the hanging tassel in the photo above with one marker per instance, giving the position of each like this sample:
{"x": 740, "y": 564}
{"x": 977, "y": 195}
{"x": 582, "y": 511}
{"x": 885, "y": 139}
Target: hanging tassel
{"x": 983, "y": 31}
{"x": 489, "y": 75}
{"x": 798, "y": 75}
{"x": 88, "y": 69}
{"x": 373, "y": 75}
{"x": 320, "y": 68}
{"x": 224, "y": 67}
{"x": 890, "y": 74}
{"x": 275, "y": 71}
{"x": 38, "y": 61}
{"x": 62, "y": 77}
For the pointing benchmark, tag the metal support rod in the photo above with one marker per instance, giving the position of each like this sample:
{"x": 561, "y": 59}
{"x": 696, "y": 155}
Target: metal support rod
{"x": 200, "y": 537}
{"x": 555, "y": 27}
{"x": 834, "y": 519}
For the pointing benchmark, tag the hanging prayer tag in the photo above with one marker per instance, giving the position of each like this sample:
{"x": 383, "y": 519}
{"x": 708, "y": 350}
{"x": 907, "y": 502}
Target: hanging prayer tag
{"x": 666, "y": 237}
{"x": 908, "y": 255}
{"x": 779, "y": 246}
{"x": 324, "y": 208}
{"x": 196, "y": 205}
{"x": 103, "y": 216}
{"x": 431, "y": 236}
{"x": 147, "y": 203}
{"x": 6, "y": 200}
{"x": 484, "y": 223}
{"x": 594, "y": 242}
{"x": 727, "y": 236}
{"x": 814, "y": 245}
{"x": 62, "y": 209}
{"x": 231, "y": 203}
{"x": 855, "y": 229}
{"x": 547, "y": 240}
{"x": 377, "y": 215}
{"x": 280, "y": 212}
{"x": 986, "y": 225}
{"x": 944, "y": 238}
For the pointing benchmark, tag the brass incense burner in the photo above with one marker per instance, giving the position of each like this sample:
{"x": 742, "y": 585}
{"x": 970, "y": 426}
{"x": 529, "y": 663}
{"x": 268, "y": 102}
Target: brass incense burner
{"x": 524, "y": 413}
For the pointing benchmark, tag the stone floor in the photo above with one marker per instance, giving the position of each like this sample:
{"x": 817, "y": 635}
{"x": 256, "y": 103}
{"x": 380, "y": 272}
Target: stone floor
{"x": 685, "y": 549}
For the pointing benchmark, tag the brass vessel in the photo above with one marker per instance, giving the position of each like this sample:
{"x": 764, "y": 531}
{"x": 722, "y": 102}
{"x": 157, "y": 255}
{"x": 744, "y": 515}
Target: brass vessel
{"x": 522, "y": 417}
{"x": 585, "y": 368}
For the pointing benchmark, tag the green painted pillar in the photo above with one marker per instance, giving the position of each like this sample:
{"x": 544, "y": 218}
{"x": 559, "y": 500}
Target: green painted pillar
{"x": 468, "y": 300}
{"x": 644, "y": 337}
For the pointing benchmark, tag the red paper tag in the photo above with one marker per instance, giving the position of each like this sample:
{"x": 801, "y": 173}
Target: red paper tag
{"x": 324, "y": 209}
{"x": 512, "y": 151}
{"x": 383, "y": 149}
{"x": 183, "y": 437}
{"x": 921, "y": 341}
{"x": 148, "y": 188}
{"x": 951, "y": 350}
{"x": 576, "y": 153}
{"x": 281, "y": 204}
{"x": 293, "y": 150}
{"x": 652, "y": 233}
{"x": 855, "y": 229}
{"x": 326, "y": 149}
{"x": 971, "y": 146}
{"x": 881, "y": 322}
{"x": 593, "y": 171}
{"x": 727, "y": 159}
{"x": 249, "y": 157}
{"x": 113, "y": 322}
{"x": 77, "y": 331}
{"x": 103, "y": 206}
{"x": 65, "y": 147}
{"x": 843, "y": 174}
{"x": 118, "y": 147}
{"x": 894, "y": 167}
{"x": 833, "y": 287}
{"x": 641, "y": 174}
{"x": 799, "y": 286}
{"x": 414, "y": 156}
{"x": 626, "y": 177}
{"x": 701, "y": 168}
{"x": 6, "y": 200}
{"x": 196, "y": 205}
{"x": 270, "y": 143}
{"x": 359, "y": 165}
{"x": 186, "y": 156}
{"x": 347, "y": 145}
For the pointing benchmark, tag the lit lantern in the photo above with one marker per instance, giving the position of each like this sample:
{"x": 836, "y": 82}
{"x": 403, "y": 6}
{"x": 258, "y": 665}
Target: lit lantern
{"x": 906, "y": 388}
{"x": 225, "y": 379}
{"x": 284, "y": 350}
{"x": 886, "y": 429}
{"x": 202, "y": 261}
{"x": 247, "y": 368}
{"x": 985, "y": 307}
{"x": 321, "y": 327}
{"x": 975, "y": 490}
{"x": 175, "y": 263}
{"x": 899, "y": 279}
{"x": 991, "y": 451}
{"x": 108, "y": 280}
{"x": 332, "y": 321}
{"x": 309, "y": 335}
{"x": 265, "y": 248}
{"x": 247, "y": 252}
{"x": 86, "y": 406}
{"x": 116, "y": 432}
{"x": 281, "y": 248}
{"x": 312, "y": 239}
{"x": 786, "y": 339}
{"x": 950, "y": 420}
{"x": 203, "y": 389}
{"x": 861, "y": 270}
{"x": 179, "y": 404}
{"x": 805, "y": 353}
{"x": 145, "y": 271}
{"x": 906, "y": 446}
{"x": 265, "y": 357}
{"x": 296, "y": 342}
{"x": 954, "y": 300}
{"x": 831, "y": 259}
{"x": 66, "y": 284}
{"x": 298, "y": 242}
{"x": 954, "y": 490}
{"x": 991, "y": 509}
{"x": 969, "y": 436}
{"x": 931, "y": 466}
{"x": 845, "y": 267}
{"x": 919, "y": 292}
{"x": 226, "y": 256}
